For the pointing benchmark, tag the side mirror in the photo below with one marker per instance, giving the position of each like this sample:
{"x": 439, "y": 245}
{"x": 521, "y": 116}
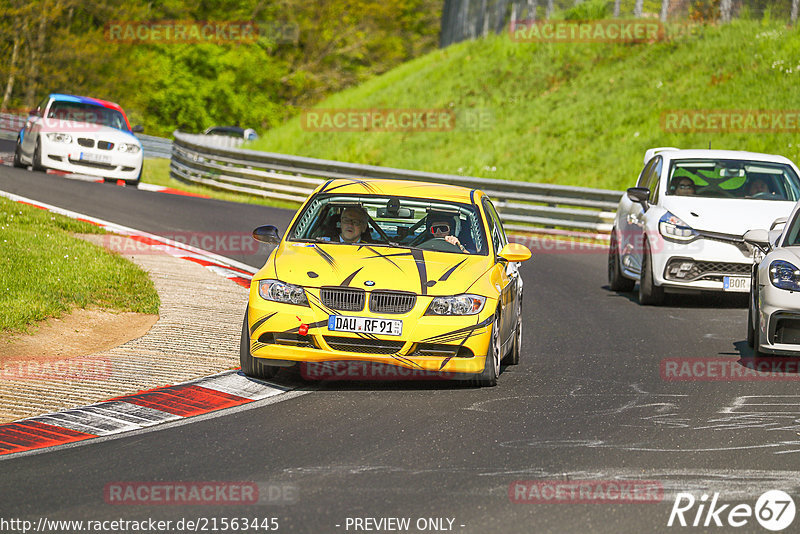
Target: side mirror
{"x": 640, "y": 195}
{"x": 779, "y": 221}
{"x": 137, "y": 129}
{"x": 267, "y": 234}
{"x": 34, "y": 112}
{"x": 758, "y": 238}
{"x": 515, "y": 252}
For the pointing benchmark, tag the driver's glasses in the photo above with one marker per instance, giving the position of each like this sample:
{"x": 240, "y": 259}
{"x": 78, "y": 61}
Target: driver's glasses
{"x": 354, "y": 222}
{"x": 440, "y": 228}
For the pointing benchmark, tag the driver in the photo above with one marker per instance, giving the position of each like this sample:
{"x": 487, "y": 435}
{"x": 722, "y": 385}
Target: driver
{"x": 757, "y": 186}
{"x": 443, "y": 226}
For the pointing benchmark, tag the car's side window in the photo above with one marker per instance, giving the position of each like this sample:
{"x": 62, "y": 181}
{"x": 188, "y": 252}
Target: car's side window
{"x": 644, "y": 176}
{"x": 653, "y": 182}
{"x": 496, "y": 227}
{"x": 41, "y": 107}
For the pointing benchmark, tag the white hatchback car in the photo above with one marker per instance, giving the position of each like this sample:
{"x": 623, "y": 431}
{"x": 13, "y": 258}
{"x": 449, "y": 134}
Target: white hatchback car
{"x": 681, "y": 228}
{"x": 773, "y": 320}
{"x": 81, "y": 135}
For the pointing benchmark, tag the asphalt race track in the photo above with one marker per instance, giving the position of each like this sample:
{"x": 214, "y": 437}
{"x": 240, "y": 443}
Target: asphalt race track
{"x": 588, "y": 402}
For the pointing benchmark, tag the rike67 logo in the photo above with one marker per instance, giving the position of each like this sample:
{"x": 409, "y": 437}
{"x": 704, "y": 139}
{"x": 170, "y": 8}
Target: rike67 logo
{"x": 774, "y": 510}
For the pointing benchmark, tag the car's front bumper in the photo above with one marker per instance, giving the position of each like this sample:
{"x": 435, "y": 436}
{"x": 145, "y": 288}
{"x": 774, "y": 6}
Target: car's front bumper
{"x": 428, "y": 343}
{"x": 67, "y": 158}
{"x": 780, "y": 321}
{"x": 701, "y": 265}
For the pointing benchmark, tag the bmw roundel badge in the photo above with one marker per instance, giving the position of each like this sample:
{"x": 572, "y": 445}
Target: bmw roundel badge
{"x": 369, "y": 283}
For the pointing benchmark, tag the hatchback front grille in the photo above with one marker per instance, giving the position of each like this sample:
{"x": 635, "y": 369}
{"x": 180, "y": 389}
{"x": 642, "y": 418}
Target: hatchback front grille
{"x": 342, "y": 298}
{"x": 440, "y": 350}
{"x": 88, "y": 143}
{"x": 105, "y": 145}
{"x": 391, "y": 302}
{"x": 708, "y": 270}
{"x": 363, "y": 346}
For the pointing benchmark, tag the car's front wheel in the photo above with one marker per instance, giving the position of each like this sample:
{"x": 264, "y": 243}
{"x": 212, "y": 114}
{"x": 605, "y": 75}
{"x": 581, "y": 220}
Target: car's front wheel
{"x": 253, "y": 366}
{"x": 512, "y": 358}
{"x": 649, "y": 293}
{"x": 37, "y": 157}
{"x": 491, "y": 369}
{"x": 616, "y": 282}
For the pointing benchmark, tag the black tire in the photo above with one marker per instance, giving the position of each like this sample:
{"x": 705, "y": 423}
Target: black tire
{"x": 109, "y": 181}
{"x": 617, "y": 282}
{"x": 512, "y": 358}
{"x": 37, "y": 158}
{"x": 751, "y": 331}
{"x": 649, "y": 293}
{"x": 132, "y": 183}
{"x": 253, "y": 366}
{"x": 491, "y": 369}
{"x": 18, "y": 162}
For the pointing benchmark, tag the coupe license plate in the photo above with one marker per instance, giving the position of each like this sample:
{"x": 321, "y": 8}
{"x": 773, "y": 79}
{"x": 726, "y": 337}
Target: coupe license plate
{"x": 365, "y": 325}
{"x": 98, "y": 158}
{"x": 736, "y": 283}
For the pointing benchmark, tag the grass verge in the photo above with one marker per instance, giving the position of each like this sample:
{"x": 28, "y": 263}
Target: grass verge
{"x": 45, "y": 271}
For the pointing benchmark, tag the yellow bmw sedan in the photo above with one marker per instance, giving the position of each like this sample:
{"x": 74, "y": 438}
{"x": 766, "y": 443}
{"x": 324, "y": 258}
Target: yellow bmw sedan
{"x": 410, "y": 276}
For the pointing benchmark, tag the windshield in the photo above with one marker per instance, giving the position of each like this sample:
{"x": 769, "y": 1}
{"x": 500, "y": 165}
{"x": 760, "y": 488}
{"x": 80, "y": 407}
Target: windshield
{"x": 79, "y": 112}
{"x": 725, "y": 178}
{"x": 383, "y": 220}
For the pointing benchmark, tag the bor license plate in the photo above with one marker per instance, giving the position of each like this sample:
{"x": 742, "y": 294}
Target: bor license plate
{"x": 736, "y": 283}
{"x": 365, "y": 325}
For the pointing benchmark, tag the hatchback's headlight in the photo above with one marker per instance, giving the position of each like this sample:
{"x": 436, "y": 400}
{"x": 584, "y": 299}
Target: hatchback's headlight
{"x": 784, "y": 275}
{"x": 59, "y": 137}
{"x": 674, "y": 229}
{"x": 128, "y": 147}
{"x": 456, "y": 305}
{"x": 278, "y": 291}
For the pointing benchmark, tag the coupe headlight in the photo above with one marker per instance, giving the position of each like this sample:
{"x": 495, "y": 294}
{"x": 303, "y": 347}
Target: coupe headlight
{"x": 278, "y": 291}
{"x": 456, "y": 305}
{"x": 784, "y": 275}
{"x": 674, "y": 229}
{"x": 59, "y": 137}
{"x": 128, "y": 147}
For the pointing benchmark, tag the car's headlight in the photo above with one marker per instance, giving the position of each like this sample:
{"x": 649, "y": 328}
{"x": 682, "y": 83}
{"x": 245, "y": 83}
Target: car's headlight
{"x": 128, "y": 147}
{"x": 673, "y": 228}
{"x": 456, "y": 305}
{"x": 784, "y": 275}
{"x": 59, "y": 137}
{"x": 278, "y": 291}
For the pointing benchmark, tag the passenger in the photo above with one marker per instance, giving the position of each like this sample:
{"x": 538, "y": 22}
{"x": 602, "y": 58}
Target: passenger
{"x": 684, "y": 186}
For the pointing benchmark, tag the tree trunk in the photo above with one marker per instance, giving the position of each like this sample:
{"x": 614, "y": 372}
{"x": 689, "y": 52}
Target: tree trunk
{"x": 794, "y": 10}
{"x": 616, "y": 9}
{"x": 638, "y": 8}
{"x": 549, "y": 10}
{"x": 532, "y": 5}
{"x": 725, "y": 8}
{"x": 664, "y": 10}
{"x": 37, "y": 49}
{"x": 12, "y": 70}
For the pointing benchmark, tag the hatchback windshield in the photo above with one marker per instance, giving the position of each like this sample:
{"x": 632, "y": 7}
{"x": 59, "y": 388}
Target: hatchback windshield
{"x": 79, "y": 112}
{"x": 383, "y": 220}
{"x": 725, "y": 178}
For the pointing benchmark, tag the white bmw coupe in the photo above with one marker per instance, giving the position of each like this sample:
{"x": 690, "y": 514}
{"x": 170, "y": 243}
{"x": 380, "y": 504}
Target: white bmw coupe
{"x": 681, "y": 228}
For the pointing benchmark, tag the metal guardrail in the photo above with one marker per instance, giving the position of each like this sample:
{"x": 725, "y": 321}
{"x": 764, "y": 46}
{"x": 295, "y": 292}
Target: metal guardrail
{"x": 523, "y": 206}
{"x": 153, "y": 147}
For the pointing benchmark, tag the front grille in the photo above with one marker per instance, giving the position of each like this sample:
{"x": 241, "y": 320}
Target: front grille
{"x": 342, "y": 298}
{"x": 105, "y": 145}
{"x": 391, "y": 302}
{"x": 94, "y": 164}
{"x": 363, "y": 346}
{"x": 281, "y": 338}
{"x": 440, "y": 350}
{"x": 708, "y": 270}
{"x": 88, "y": 143}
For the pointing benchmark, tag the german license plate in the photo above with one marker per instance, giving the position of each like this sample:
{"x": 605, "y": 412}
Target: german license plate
{"x": 365, "y": 325}
{"x": 736, "y": 283}
{"x": 98, "y": 158}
